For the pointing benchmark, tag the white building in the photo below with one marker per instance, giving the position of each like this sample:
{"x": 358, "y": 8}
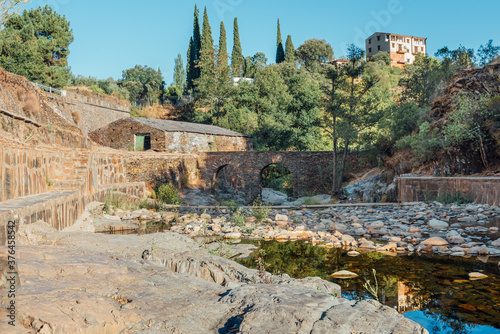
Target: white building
{"x": 401, "y": 48}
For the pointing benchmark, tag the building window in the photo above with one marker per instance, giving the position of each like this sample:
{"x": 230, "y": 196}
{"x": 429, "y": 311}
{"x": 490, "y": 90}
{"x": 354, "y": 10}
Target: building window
{"x": 378, "y": 38}
{"x": 393, "y": 45}
{"x": 407, "y": 41}
{"x": 378, "y": 47}
{"x": 370, "y": 41}
{"x": 370, "y": 50}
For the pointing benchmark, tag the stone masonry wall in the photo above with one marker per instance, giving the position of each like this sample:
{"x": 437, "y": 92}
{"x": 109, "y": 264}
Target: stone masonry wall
{"x": 93, "y": 112}
{"x": 63, "y": 211}
{"x": 121, "y": 135}
{"x": 479, "y": 190}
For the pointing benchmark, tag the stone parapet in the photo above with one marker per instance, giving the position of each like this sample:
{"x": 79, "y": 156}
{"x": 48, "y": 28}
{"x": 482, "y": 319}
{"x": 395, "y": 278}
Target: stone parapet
{"x": 485, "y": 190}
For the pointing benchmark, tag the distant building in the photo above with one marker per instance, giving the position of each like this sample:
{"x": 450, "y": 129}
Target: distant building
{"x": 401, "y": 48}
{"x": 237, "y": 80}
{"x": 142, "y": 134}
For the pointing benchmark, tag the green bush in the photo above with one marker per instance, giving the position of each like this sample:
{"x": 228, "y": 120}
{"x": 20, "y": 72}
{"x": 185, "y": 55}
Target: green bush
{"x": 259, "y": 211}
{"x": 424, "y": 144}
{"x": 167, "y": 193}
{"x": 238, "y": 218}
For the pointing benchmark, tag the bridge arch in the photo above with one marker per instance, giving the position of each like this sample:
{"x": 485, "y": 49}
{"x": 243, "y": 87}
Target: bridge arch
{"x": 277, "y": 176}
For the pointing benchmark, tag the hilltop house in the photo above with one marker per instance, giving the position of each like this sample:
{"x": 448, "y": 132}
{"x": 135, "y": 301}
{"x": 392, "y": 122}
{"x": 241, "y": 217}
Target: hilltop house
{"x": 401, "y": 48}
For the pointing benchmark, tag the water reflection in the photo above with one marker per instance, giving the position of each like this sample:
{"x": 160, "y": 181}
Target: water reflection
{"x": 435, "y": 288}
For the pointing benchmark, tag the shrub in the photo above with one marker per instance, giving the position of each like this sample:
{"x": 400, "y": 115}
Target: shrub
{"x": 424, "y": 144}
{"x": 77, "y": 118}
{"x": 31, "y": 104}
{"x": 238, "y": 218}
{"x": 167, "y": 193}
{"x": 259, "y": 211}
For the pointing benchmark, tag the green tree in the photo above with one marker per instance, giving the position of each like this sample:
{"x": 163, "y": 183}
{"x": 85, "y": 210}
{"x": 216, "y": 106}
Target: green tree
{"x": 462, "y": 57}
{"x": 420, "y": 80}
{"x": 237, "y": 60}
{"x": 208, "y": 62}
{"x": 179, "y": 74}
{"x": 254, "y": 64}
{"x": 467, "y": 126}
{"x": 348, "y": 109}
{"x": 193, "y": 56}
{"x": 313, "y": 53}
{"x": 289, "y": 50}
{"x": 487, "y": 53}
{"x": 36, "y": 44}
{"x": 280, "y": 53}
{"x": 223, "y": 76}
{"x": 145, "y": 85}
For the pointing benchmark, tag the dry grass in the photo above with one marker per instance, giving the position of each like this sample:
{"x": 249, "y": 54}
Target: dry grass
{"x": 77, "y": 118}
{"x": 161, "y": 112}
{"x": 31, "y": 106}
{"x": 21, "y": 93}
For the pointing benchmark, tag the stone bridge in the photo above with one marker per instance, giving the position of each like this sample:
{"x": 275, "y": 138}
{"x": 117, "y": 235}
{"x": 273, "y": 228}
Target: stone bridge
{"x": 311, "y": 171}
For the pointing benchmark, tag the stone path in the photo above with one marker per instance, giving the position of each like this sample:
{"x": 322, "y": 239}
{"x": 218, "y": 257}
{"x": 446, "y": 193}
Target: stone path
{"x": 22, "y": 202}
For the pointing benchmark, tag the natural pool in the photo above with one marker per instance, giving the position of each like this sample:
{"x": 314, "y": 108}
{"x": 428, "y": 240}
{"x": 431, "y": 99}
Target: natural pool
{"x": 434, "y": 291}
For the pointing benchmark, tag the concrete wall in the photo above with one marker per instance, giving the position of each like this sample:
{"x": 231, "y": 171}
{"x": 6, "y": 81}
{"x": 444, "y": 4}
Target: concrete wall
{"x": 479, "y": 190}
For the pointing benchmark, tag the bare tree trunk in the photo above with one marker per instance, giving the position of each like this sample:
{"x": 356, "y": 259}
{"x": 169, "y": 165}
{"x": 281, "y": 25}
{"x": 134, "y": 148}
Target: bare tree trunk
{"x": 483, "y": 152}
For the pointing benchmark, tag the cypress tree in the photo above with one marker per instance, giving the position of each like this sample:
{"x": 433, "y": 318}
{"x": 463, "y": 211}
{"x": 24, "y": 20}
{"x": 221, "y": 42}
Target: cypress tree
{"x": 206, "y": 82}
{"x": 280, "y": 53}
{"x": 192, "y": 71}
{"x": 237, "y": 60}
{"x": 289, "y": 50}
{"x": 222, "y": 61}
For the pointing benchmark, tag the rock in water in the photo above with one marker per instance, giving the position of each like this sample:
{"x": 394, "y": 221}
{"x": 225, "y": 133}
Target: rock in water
{"x": 476, "y": 276}
{"x": 344, "y": 274}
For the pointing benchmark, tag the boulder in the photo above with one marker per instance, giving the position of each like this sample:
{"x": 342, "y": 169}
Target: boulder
{"x": 437, "y": 224}
{"x": 282, "y": 218}
{"x": 496, "y": 243}
{"x": 476, "y": 276}
{"x": 454, "y": 238}
{"x": 273, "y": 197}
{"x": 435, "y": 241}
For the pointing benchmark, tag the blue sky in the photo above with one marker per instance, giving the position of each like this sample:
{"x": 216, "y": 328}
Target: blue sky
{"x": 112, "y": 35}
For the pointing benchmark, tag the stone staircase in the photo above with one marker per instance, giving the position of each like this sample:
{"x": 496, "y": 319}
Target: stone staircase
{"x": 73, "y": 172}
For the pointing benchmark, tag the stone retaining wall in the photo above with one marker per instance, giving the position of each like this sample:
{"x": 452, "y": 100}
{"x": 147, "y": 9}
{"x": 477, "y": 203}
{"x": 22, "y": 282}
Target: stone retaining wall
{"x": 93, "y": 112}
{"x": 63, "y": 211}
{"x": 479, "y": 190}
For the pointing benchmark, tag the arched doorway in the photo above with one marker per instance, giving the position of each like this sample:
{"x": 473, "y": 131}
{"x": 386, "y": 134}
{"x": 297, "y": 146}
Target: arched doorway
{"x": 277, "y": 177}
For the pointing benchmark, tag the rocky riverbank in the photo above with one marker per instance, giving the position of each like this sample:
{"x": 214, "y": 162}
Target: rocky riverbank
{"x": 458, "y": 230}
{"x": 167, "y": 283}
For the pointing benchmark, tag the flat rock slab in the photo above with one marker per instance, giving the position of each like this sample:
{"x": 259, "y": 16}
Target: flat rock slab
{"x": 87, "y": 282}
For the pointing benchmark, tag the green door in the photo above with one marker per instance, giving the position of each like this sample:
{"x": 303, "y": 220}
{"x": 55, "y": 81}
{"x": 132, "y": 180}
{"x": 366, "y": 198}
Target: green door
{"x": 139, "y": 143}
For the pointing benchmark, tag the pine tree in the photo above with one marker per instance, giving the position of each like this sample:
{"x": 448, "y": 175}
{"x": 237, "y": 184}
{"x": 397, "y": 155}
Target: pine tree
{"x": 289, "y": 50}
{"x": 193, "y": 72}
{"x": 237, "y": 61}
{"x": 222, "y": 58}
{"x": 280, "y": 53}
{"x": 207, "y": 64}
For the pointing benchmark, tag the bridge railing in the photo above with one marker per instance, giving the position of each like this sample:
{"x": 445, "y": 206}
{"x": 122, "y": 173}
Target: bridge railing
{"x": 50, "y": 89}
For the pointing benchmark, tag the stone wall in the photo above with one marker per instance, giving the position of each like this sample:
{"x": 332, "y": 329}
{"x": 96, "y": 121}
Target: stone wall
{"x": 186, "y": 142}
{"x": 63, "y": 211}
{"x": 88, "y": 113}
{"x": 121, "y": 135}
{"x": 484, "y": 190}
